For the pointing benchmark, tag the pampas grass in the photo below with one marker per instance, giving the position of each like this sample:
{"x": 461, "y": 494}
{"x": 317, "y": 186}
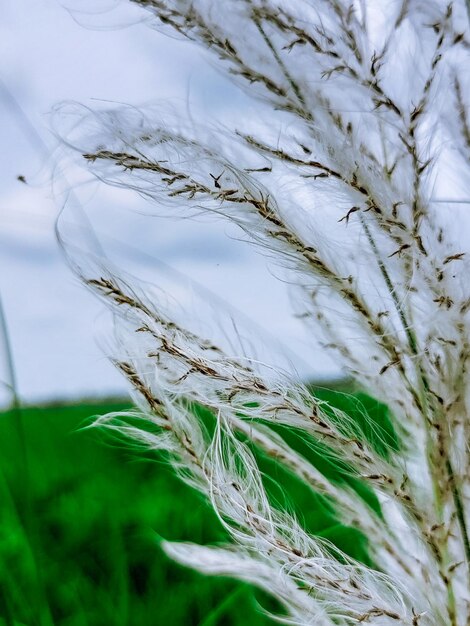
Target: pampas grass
{"x": 348, "y": 179}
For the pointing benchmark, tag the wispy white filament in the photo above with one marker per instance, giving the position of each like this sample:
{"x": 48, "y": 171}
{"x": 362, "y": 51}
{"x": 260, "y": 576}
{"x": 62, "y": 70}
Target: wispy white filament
{"x": 342, "y": 180}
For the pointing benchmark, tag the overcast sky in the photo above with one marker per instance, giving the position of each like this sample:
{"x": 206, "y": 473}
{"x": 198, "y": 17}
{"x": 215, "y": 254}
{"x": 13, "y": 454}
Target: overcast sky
{"x": 49, "y": 55}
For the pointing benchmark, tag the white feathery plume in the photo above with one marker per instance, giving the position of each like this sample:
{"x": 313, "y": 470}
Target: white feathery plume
{"x": 363, "y": 106}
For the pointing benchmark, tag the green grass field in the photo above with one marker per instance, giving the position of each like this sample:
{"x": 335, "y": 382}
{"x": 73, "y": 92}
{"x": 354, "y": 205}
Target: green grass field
{"x": 80, "y": 519}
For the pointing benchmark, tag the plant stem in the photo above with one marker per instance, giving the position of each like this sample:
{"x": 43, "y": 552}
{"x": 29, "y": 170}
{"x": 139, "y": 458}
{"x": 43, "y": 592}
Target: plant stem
{"x": 459, "y": 508}
{"x": 15, "y": 405}
{"x": 456, "y": 496}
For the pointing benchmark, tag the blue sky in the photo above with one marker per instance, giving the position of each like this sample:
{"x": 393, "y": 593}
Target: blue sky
{"x": 51, "y": 55}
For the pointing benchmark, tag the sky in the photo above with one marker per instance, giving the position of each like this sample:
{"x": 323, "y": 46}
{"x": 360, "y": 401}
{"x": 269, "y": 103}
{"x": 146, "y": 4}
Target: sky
{"x": 51, "y": 55}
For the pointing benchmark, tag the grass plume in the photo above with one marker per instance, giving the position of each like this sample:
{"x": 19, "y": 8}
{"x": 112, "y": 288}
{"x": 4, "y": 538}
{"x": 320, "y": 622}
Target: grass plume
{"x": 362, "y": 107}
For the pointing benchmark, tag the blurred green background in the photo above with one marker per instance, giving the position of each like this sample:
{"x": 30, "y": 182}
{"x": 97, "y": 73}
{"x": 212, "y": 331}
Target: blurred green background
{"x": 81, "y": 515}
